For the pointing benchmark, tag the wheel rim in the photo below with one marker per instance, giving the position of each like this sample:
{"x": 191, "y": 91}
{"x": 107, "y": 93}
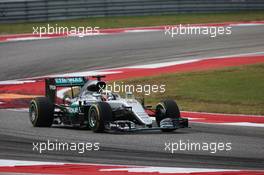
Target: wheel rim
{"x": 33, "y": 113}
{"x": 92, "y": 117}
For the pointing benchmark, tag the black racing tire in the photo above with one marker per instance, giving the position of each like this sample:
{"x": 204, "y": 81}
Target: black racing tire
{"x": 41, "y": 112}
{"x": 98, "y": 115}
{"x": 167, "y": 109}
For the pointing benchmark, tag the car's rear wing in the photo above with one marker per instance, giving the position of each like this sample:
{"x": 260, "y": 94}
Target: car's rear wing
{"x": 51, "y": 85}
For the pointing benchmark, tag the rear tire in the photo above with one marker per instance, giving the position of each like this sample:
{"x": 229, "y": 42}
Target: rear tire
{"x": 98, "y": 115}
{"x": 167, "y": 109}
{"x": 41, "y": 111}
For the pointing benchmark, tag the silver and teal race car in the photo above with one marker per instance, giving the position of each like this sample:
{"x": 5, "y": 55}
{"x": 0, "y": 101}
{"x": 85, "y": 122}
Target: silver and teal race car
{"x": 100, "y": 110}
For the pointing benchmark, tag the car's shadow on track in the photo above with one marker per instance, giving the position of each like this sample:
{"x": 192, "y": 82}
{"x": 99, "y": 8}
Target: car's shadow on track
{"x": 143, "y": 132}
{"x": 146, "y": 132}
{"x": 70, "y": 127}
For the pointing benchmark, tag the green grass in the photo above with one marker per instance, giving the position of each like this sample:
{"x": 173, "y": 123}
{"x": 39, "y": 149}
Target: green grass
{"x": 115, "y": 22}
{"x": 238, "y": 90}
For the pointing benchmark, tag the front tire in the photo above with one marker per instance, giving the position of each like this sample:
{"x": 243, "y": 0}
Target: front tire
{"x": 98, "y": 115}
{"x": 167, "y": 109}
{"x": 41, "y": 111}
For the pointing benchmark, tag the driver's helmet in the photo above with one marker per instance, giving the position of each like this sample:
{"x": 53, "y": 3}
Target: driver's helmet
{"x": 107, "y": 95}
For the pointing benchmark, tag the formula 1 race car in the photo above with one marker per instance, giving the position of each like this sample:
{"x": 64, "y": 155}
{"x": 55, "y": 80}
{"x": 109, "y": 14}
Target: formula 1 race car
{"x": 99, "y": 109}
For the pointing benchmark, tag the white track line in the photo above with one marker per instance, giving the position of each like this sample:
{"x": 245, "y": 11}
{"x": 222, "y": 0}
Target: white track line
{"x": 6, "y": 162}
{"x": 142, "y": 30}
{"x": 18, "y": 109}
{"x": 9, "y": 82}
{"x": 244, "y": 124}
{"x": 246, "y": 24}
{"x": 28, "y": 38}
{"x": 166, "y": 170}
{"x": 172, "y": 63}
{"x": 223, "y": 114}
{"x": 159, "y": 65}
{"x": 85, "y": 73}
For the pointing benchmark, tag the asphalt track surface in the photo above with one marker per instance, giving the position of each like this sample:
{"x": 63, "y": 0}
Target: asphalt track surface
{"x": 141, "y": 148}
{"x": 42, "y": 57}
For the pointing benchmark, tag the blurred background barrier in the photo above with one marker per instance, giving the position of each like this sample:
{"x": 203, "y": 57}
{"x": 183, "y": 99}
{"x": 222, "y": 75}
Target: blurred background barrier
{"x": 46, "y": 10}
